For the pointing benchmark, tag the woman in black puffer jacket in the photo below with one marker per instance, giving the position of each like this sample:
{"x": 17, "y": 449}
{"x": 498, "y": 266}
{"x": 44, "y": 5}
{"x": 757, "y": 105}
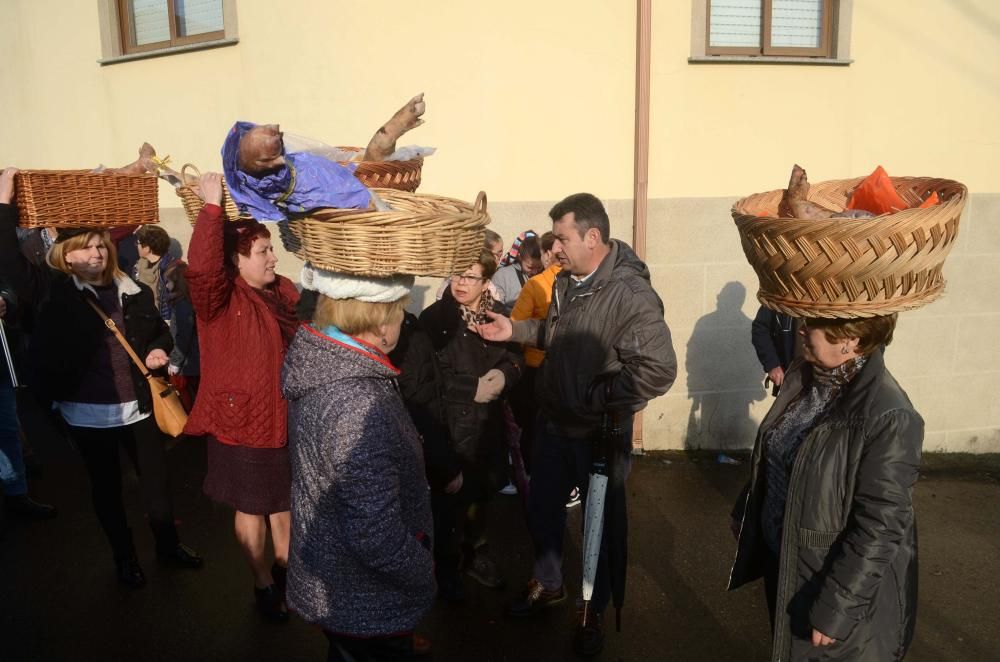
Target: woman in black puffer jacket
{"x": 476, "y": 374}
{"x": 827, "y": 517}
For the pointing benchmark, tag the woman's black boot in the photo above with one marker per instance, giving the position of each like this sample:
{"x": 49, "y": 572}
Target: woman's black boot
{"x": 270, "y": 605}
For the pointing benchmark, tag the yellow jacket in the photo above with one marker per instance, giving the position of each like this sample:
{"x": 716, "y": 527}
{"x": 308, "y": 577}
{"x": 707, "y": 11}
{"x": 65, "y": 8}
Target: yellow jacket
{"x": 533, "y": 304}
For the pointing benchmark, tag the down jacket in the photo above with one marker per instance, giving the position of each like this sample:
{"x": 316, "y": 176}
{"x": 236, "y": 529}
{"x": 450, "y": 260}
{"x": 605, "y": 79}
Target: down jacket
{"x": 239, "y": 399}
{"x": 360, "y": 561}
{"x": 612, "y": 327}
{"x": 848, "y": 561}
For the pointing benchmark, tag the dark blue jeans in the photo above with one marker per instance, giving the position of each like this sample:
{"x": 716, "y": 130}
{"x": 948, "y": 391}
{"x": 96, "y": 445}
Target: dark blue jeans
{"x": 560, "y": 464}
{"x": 12, "y": 475}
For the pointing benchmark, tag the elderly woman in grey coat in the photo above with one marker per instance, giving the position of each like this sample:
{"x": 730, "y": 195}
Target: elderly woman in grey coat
{"x": 827, "y": 517}
{"x": 360, "y": 564}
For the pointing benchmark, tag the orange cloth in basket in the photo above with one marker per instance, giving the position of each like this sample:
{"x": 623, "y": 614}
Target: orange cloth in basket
{"x": 877, "y": 195}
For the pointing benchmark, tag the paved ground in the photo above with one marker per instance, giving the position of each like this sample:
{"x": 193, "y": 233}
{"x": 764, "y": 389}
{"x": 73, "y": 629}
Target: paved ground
{"x": 60, "y": 600}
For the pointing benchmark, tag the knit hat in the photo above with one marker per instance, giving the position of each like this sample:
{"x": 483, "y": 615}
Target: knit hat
{"x": 510, "y": 257}
{"x": 338, "y": 285}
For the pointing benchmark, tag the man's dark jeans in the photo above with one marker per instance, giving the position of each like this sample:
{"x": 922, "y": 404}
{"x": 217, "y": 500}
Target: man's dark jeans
{"x": 560, "y": 464}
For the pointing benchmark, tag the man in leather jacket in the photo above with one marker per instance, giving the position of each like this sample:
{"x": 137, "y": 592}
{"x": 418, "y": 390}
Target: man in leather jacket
{"x": 607, "y": 347}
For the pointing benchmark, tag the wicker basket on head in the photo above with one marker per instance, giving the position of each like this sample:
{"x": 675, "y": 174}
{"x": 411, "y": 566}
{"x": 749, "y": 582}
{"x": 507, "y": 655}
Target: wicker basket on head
{"x": 82, "y": 198}
{"x": 424, "y": 235}
{"x": 845, "y": 267}
{"x": 399, "y": 175}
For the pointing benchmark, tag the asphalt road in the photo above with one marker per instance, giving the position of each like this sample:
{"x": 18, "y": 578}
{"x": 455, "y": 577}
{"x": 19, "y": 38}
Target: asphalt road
{"x": 60, "y": 600}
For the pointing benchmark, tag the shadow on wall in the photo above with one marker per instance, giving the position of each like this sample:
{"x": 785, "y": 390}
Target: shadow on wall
{"x": 724, "y": 377}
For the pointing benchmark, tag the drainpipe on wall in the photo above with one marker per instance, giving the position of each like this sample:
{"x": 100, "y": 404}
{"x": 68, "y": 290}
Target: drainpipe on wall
{"x": 644, "y": 12}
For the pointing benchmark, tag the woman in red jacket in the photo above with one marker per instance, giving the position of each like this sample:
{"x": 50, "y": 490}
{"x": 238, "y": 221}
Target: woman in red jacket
{"x": 246, "y": 320}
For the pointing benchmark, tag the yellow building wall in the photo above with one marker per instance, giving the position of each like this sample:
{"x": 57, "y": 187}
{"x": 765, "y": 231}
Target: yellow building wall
{"x": 531, "y": 101}
{"x": 525, "y": 99}
{"x": 921, "y": 98}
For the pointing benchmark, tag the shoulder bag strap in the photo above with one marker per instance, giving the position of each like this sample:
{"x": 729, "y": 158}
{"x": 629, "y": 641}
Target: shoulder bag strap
{"x": 110, "y": 323}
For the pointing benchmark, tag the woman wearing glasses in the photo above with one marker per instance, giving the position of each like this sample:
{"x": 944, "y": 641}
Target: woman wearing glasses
{"x": 475, "y": 374}
{"x": 827, "y": 517}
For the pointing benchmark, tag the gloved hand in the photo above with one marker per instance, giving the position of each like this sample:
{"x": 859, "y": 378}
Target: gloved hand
{"x": 173, "y": 370}
{"x": 490, "y": 386}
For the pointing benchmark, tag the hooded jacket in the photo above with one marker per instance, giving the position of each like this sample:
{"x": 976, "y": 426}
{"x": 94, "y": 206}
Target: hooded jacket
{"x": 360, "y": 562}
{"x": 848, "y": 560}
{"x": 609, "y": 328}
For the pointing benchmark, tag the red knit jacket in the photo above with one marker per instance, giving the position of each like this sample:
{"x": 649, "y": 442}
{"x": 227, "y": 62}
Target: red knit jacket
{"x": 239, "y": 398}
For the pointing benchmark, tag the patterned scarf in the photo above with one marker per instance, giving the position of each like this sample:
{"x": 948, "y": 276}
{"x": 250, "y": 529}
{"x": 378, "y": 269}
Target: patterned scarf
{"x": 782, "y": 440}
{"x": 477, "y": 316}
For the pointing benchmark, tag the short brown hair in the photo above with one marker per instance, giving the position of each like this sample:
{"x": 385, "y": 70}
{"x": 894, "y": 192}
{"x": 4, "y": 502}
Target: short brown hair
{"x": 871, "y": 332}
{"x": 548, "y": 241}
{"x": 490, "y": 237}
{"x": 238, "y": 237}
{"x": 488, "y": 264}
{"x": 588, "y": 212}
{"x": 56, "y": 256}
{"x": 154, "y": 238}
{"x": 353, "y": 316}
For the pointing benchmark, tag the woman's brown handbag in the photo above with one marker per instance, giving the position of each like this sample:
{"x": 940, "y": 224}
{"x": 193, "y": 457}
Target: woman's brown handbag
{"x": 167, "y": 408}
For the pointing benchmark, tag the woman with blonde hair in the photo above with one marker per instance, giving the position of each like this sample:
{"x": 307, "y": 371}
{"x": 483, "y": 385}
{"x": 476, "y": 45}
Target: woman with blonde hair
{"x": 360, "y": 563}
{"x": 80, "y": 369}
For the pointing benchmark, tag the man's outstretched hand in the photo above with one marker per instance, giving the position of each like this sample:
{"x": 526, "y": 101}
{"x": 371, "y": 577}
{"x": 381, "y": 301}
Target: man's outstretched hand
{"x": 498, "y": 329}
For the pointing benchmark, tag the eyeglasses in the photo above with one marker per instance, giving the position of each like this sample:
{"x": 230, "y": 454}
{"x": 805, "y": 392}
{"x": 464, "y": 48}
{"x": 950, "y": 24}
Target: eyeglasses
{"x": 463, "y": 279}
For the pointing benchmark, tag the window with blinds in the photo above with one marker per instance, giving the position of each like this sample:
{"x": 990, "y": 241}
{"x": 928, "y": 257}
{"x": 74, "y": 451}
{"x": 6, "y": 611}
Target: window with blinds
{"x": 769, "y": 27}
{"x": 156, "y": 24}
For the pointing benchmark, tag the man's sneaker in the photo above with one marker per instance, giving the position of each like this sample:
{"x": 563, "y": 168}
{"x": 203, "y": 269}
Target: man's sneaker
{"x": 574, "y": 498}
{"x": 484, "y": 570}
{"x": 509, "y": 489}
{"x": 589, "y": 638}
{"x": 534, "y": 599}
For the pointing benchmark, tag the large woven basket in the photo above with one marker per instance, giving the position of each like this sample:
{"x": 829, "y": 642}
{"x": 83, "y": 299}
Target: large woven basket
{"x": 81, "y": 198}
{"x": 424, "y": 235}
{"x": 844, "y": 267}
{"x": 398, "y": 175}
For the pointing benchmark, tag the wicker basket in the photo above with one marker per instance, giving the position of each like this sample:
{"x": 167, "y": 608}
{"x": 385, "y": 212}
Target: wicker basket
{"x": 846, "y": 267}
{"x": 192, "y": 203}
{"x": 398, "y": 175}
{"x": 424, "y": 235}
{"x": 82, "y": 198}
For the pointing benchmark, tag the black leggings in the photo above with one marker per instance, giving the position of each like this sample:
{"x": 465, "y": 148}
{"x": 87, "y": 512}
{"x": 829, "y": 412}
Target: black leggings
{"x": 389, "y": 648}
{"x": 143, "y": 442}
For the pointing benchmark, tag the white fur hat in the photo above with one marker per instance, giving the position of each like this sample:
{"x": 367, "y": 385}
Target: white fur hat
{"x": 338, "y": 285}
